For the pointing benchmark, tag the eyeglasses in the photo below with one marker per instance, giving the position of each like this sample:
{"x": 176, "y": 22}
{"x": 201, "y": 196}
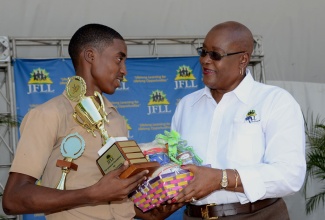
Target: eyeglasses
{"x": 213, "y": 54}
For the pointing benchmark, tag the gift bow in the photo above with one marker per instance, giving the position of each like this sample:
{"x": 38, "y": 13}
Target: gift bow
{"x": 175, "y": 145}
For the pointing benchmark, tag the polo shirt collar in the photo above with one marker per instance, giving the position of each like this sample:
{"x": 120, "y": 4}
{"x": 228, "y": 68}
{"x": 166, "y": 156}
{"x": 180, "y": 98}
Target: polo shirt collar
{"x": 205, "y": 92}
{"x": 242, "y": 91}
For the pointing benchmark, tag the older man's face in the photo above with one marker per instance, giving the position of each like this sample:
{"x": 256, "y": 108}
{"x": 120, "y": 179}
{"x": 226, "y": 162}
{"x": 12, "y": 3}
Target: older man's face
{"x": 221, "y": 75}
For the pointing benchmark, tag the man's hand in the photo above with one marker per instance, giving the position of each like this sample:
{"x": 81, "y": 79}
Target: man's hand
{"x": 205, "y": 181}
{"x": 112, "y": 188}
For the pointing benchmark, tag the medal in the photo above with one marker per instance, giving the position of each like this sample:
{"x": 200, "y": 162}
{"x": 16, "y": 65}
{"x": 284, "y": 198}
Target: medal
{"x": 76, "y": 88}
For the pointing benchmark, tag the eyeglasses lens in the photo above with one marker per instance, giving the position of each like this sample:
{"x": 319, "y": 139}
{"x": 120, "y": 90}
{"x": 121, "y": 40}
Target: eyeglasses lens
{"x": 213, "y": 55}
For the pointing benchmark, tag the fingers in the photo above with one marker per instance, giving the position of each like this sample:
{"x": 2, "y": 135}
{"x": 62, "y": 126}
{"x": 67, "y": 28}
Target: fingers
{"x": 136, "y": 180}
{"x": 139, "y": 177}
{"x": 121, "y": 169}
{"x": 164, "y": 208}
{"x": 189, "y": 194}
{"x": 191, "y": 167}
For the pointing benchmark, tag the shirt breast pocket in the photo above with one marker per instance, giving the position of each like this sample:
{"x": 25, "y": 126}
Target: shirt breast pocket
{"x": 246, "y": 146}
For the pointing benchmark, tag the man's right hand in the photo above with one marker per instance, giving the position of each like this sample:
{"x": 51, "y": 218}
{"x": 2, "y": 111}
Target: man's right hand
{"x": 113, "y": 188}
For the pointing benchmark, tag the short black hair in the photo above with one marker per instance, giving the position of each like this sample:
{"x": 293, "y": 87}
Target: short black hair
{"x": 94, "y": 35}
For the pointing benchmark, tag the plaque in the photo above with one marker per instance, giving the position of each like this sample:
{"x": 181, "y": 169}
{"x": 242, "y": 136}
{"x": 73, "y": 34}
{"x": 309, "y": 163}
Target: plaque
{"x": 121, "y": 151}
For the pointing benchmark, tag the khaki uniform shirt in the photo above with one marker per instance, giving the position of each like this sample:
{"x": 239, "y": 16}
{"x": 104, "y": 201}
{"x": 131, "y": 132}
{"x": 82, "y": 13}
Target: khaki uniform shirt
{"x": 42, "y": 132}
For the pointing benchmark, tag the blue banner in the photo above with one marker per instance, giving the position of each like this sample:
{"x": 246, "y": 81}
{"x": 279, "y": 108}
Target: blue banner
{"x": 147, "y": 97}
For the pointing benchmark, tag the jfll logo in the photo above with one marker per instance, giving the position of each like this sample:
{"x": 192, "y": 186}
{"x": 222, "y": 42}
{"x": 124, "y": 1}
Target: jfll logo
{"x": 158, "y": 103}
{"x": 39, "y": 82}
{"x": 128, "y": 127}
{"x": 123, "y": 85}
{"x": 109, "y": 158}
{"x": 184, "y": 78}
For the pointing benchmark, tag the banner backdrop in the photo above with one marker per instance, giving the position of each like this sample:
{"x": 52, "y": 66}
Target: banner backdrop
{"x": 147, "y": 97}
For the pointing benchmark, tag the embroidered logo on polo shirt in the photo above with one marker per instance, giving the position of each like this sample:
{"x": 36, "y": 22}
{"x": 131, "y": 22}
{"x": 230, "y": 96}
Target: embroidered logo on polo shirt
{"x": 251, "y": 116}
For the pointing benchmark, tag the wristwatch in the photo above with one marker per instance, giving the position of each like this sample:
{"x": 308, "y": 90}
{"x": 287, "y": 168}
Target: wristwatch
{"x": 224, "y": 180}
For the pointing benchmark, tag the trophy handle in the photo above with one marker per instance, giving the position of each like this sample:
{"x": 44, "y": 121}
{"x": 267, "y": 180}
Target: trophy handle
{"x": 83, "y": 124}
{"x": 104, "y": 134}
{"x": 102, "y": 106}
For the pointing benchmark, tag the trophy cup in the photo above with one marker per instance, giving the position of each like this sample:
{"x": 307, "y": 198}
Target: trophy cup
{"x": 92, "y": 116}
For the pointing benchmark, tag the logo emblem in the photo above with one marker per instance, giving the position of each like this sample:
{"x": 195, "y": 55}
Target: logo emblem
{"x": 185, "y": 78}
{"x": 158, "y": 98}
{"x": 123, "y": 86}
{"x": 158, "y": 103}
{"x": 250, "y": 116}
{"x": 185, "y": 73}
{"x": 39, "y": 82}
{"x": 109, "y": 158}
{"x": 128, "y": 127}
{"x": 40, "y": 76}
{"x": 127, "y": 123}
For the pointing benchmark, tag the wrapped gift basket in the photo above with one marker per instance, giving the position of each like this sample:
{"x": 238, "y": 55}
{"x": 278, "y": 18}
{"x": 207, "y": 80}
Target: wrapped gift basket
{"x": 159, "y": 189}
{"x": 171, "y": 152}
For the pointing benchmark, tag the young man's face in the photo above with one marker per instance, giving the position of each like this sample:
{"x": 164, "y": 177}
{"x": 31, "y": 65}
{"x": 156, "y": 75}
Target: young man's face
{"x": 109, "y": 67}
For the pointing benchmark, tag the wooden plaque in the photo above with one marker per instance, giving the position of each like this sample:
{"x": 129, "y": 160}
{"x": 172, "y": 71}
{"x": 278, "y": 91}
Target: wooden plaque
{"x": 120, "y": 151}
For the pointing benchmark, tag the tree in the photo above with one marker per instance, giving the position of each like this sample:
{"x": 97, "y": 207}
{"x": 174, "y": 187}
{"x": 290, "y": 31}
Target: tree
{"x": 315, "y": 157}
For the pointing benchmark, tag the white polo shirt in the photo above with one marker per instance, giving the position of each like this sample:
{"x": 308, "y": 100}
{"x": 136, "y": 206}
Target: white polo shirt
{"x": 257, "y": 129}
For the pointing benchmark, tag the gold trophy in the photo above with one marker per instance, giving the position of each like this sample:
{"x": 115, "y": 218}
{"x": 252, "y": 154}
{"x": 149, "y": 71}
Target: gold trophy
{"x": 92, "y": 116}
{"x": 88, "y": 112}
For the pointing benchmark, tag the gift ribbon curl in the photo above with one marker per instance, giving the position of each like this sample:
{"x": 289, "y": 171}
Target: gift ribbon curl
{"x": 176, "y": 145}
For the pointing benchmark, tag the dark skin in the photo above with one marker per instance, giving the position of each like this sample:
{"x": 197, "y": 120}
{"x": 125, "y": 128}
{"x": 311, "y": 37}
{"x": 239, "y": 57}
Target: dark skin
{"x": 102, "y": 71}
{"x": 23, "y": 196}
{"x": 221, "y": 76}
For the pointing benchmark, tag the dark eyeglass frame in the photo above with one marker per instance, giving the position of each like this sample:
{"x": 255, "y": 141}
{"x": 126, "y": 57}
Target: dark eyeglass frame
{"x": 213, "y": 54}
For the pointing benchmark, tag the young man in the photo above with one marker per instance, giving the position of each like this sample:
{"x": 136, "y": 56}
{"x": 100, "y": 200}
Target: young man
{"x": 98, "y": 54}
{"x": 250, "y": 133}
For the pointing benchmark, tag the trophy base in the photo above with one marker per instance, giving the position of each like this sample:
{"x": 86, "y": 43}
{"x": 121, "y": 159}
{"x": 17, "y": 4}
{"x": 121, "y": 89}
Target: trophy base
{"x": 138, "y": 167}
{"x": 66, "y": 164}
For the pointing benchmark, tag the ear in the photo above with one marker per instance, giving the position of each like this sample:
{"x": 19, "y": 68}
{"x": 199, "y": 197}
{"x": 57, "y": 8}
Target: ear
{"x": 89, "y": 55}
{"x": 244, "y": 60}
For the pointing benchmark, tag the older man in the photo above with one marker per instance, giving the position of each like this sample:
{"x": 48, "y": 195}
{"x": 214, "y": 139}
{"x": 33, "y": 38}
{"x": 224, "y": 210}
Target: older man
{"x": 252, "y": 134}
